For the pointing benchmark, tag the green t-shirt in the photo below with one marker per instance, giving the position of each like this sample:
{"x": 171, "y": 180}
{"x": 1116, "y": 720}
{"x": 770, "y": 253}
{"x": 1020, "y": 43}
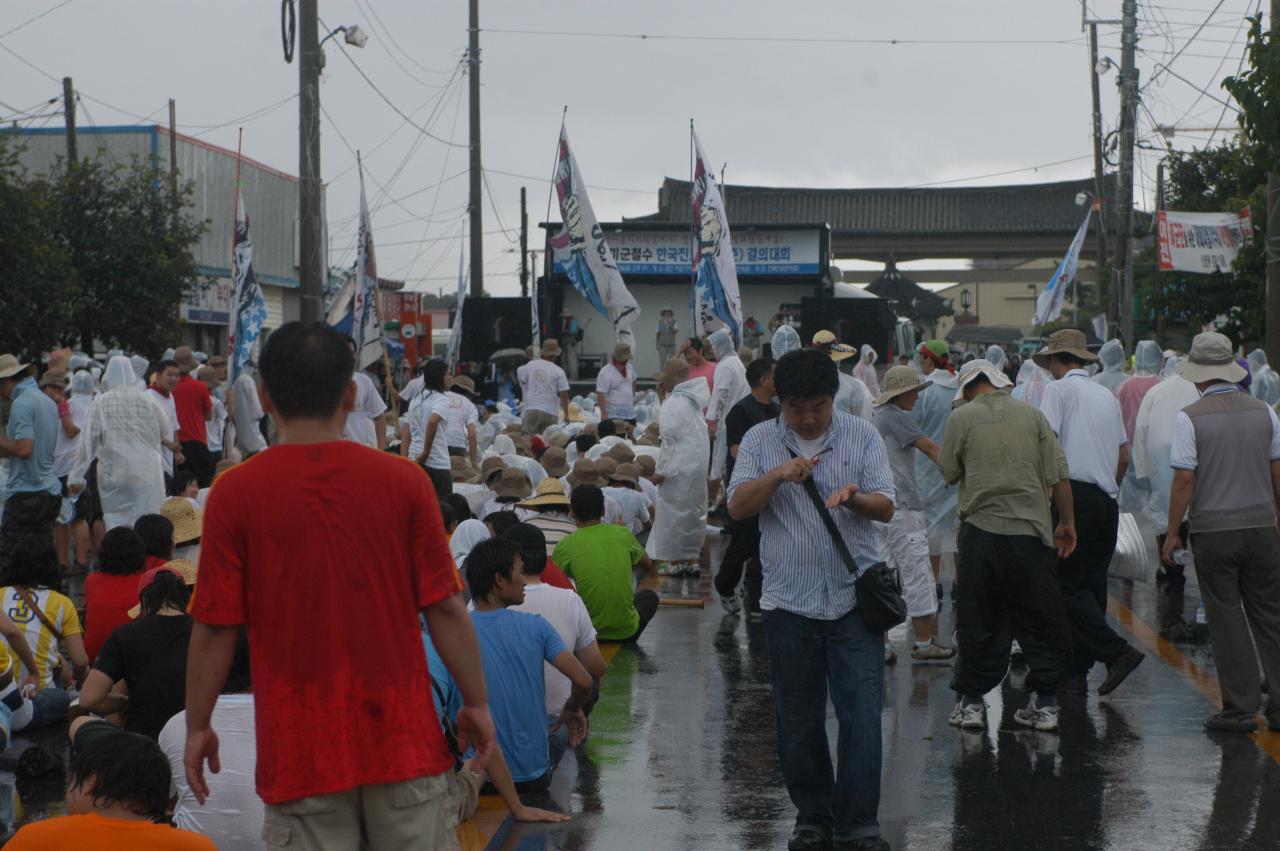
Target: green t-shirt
{"x": 599, "y": 560}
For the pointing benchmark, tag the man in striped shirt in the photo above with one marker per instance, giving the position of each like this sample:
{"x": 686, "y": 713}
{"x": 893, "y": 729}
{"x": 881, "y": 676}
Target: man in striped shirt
{"x": 817, "y": 638}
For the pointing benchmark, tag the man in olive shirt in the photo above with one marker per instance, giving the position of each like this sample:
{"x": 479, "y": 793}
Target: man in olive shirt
{"x": 1006, "y": 459}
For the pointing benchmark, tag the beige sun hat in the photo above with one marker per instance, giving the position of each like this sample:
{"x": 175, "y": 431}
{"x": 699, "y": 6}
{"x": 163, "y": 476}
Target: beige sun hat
{"x": 490, "y": 467}
{"x": 673, "y": 372}
{"x": 550, "y": 492}
{"x": 626, "y": 473}
{"x": 1068, "y": 341}
{"x": 185, "y": 359}
{"x": 550, "y": 348}
{"x": 462, "y": 470}
{"x": 10, "y": 366}
{"x": 555, "y": 461}
{"x": 972, "y": 370}
{"x": 186, "y": 518}
{"x": 621, "y": 453}
{"x": 837, "y": 351}
{"x": 647, "y": 465}
{"x": 897, "y": 381}
{"x": 622, "y": 353}
{"x": 1211, "y": 358}
{"x": 586, "y": 472}
{"x": 513, "y": 483}
{"x": 464, "y": 382}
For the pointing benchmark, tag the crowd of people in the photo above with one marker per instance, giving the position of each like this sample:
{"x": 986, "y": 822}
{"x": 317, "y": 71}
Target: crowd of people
{"x": 511, "y": 542}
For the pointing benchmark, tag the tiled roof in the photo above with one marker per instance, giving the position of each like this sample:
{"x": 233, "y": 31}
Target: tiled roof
{"x": 1034, "y": 208}
{"x": 913, "y": 300}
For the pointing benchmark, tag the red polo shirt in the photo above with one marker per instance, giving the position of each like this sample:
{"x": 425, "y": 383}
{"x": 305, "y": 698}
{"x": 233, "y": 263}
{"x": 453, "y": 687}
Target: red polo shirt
{"x": 194, "y": 402}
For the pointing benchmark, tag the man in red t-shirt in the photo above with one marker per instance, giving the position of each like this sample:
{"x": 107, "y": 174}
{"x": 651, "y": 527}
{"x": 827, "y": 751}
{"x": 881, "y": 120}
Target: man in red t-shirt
{"x": 194, "y": 404}
{"x": 327, "y": 551}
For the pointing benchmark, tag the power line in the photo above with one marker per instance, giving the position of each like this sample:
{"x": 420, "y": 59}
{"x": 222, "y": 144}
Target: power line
{"x": 781, "y": 39}
{"x": 261, "y": 112}
{"x": 999, "y": 173}
{"x": 384, "y": 36}
{"x": 30, "y": 21}
{"x": 1240, "y": 28}
{"x": 548, "y": 180}
{"x": 1200, "y": 89}
{"x": 1185, "y": 45}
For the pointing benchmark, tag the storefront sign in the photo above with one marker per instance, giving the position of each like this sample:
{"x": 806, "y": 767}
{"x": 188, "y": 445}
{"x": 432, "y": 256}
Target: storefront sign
{"x": 208, "y": 302}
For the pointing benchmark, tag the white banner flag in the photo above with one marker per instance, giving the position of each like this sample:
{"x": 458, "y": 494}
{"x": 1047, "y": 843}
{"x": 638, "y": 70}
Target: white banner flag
{"x": 715, "y": 301}
{"x": 590, "y": 265}
{"x": 1202, "y": 242}
{"x": 1049, "y": 303}
{"x": 248, "y": 305}
{"x": 365, "y": 327}
{"x": 455, "y": 334}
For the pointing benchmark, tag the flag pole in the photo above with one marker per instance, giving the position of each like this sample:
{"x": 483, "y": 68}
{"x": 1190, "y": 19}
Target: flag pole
{"x": 693, "y": 243}
{"x": 234, "y": 318}
{"x": 551, "y": 190}
{"x": 393, "y": 395}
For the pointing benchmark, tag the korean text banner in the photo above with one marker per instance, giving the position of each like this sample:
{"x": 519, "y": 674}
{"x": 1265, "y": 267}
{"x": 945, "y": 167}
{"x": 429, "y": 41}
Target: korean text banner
{"x": 1202, "y": 242}
{"x": 757, "y": 253}
{"x": 715, "y": 301}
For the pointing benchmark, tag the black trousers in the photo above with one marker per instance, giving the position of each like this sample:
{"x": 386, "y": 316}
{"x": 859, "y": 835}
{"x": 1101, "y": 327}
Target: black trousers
{"x": 442, "y": 480}
{"x": 1082, "y": 578}
{"x": 743, "y": 552}
{"x": 646, "y": 603}
{"x": 30, "y": 513}
{"x": 1007, "y": 590}
{"x": 198, "y": 461}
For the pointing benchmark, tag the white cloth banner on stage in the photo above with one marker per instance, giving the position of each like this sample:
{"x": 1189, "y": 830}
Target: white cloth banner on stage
{"x": 365, "y": 328}
{"x": 1202, "y": 242}
{"x": 591, "y": 266}
{"x": 1049, "y": 302}
{"x": 715, "y": 302}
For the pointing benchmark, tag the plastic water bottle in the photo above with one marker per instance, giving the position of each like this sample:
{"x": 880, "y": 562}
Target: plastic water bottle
{"x": 1181, "y": 557}
{"x": 1201, "y": 619}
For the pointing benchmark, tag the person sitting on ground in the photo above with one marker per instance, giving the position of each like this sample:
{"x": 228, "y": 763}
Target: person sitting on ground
{"x": 599, "y": 558}
{"x": 513, "y": 486}
{"x": 606, "y": 428}
{"x": 513, "y": 646}
{"x": 188, "y": 521}
{"x": 461, "y": 508}
{"x": 117, "y": 798}
{"x": 149, "y": 655}
{"x": 48, "y": 620}
{"x": 500, "y": 521}
{"x": 530, "y": 537}
{"x": 447, "y": 518}
{"x": 637, "y": 510}
{"x": 581, "y": 446}
{"x": 15, "y": 709}
{"x": 184, "y": 484}
{"x": 550, "y": 515}
{"x": 112, "y": 589}
{"x": 156, "y": 533}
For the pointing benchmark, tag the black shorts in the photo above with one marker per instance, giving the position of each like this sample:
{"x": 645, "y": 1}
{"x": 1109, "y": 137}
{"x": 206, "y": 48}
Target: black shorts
{"x": 89, "y": 504}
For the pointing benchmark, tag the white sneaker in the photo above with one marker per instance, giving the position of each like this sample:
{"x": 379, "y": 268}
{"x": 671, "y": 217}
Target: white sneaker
{"x": 969, "y": 717}
{"x": 731, "y": 604}
{"x": 1042, "y": 718}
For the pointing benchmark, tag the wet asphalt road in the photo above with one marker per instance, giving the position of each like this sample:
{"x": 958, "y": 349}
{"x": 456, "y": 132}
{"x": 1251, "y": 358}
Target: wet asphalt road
{"x": 682, "y": 752}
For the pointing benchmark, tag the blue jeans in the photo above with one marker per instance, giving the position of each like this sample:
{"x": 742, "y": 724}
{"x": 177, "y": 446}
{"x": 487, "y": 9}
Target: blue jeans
{"x": 810, "y": 658}
{"x": 48, "y": 706}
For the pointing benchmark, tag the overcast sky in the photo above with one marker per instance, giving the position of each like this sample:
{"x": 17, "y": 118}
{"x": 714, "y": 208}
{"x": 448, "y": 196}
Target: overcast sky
{"x": 1008, "y": 89}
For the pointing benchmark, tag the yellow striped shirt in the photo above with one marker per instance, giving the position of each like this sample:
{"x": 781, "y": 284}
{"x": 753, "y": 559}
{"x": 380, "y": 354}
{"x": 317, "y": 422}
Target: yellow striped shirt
{"x": 60, "y": 611}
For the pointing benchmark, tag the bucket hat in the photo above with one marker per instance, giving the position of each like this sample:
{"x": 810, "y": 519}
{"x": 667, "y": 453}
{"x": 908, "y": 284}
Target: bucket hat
{"x": 1068, "y": 341}
{"x": 976, "y": 367}
{"x": 626, "y": 473}
{"x": 1211, "y": 359}
{"x": 185, "y": 359}
{"x": 898, "y": 381}
{"x": 550, "y": 348}
{"x": 555, "y": 462}
{"x": 9, "y": 366}
{"x": 513, "y": 483}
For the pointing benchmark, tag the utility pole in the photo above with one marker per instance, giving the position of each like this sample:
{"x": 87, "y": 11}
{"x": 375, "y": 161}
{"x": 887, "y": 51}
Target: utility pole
{"x": 1099, "y": 183}
{"x": 311, "y": 262}
{"x": 477, "y": 231}
{"x": 1122, "y": 274}
{"x": 1273, "y": 237}
{"x": 524, "y": 245}
{"x": 173, "y": 159}
{"x": 69, "y": 110}
{"x": 1159, "y": 276}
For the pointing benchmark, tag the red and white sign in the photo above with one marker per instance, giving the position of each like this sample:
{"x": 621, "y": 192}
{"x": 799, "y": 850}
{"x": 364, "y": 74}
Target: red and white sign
{"x": 1202, "y": 243}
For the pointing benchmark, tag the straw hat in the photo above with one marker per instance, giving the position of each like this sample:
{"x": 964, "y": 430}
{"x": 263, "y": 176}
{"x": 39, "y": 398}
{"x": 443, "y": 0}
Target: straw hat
{"x": 490, "y": 467}
{"x": 53, "y": 378}
{"x": 180, "y": 566}
{"x": 622, "y": 353}
{"x": 1068, "y": 341}
{"x": 1211, "y": 359}
{"x": 621, "y": 453}
{"x": 555, "y": 462}
{"x": 898, "y": 381}
{"x": 513, "y": 483}
{"x": 186, "y": 518}
{"x": 550, "y": 492}
{"x": 585, "y": 472}
{"x": 462, "y": 470}
{"x": 647, "y": 465}
{"x": 185, "y": 359}
{"x": 837, "y": 351}
{"x": 464, "y": 383}
{"x": 9, "y": 366}
{"x": 550, "y": 348}
{"x": 626, "y": 473}
{"x": 976, "y": 367}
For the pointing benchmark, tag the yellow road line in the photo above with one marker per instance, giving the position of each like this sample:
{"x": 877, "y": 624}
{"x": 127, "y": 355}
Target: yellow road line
{"x": 1203, "y": 681}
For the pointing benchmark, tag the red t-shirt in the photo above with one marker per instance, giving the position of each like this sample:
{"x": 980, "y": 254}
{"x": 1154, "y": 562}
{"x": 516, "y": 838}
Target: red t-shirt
{"x": 553, "y": 575}
{"x": 194, "y": 402}
{"x": 107, "y": 601}
{"x": 328, "y": 552}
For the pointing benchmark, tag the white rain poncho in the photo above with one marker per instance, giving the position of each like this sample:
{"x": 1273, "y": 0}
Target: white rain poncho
{"x": 1146, "y": 363}
{"x": 1031, "y": 383}
{"x": 679, "y": 525}
{"x": 853, "y": 397}
{"x": 246, "y": 415}
{"x": 140, "y": 366}
{"x": 1266, "y": 384}
{"x": 865, "y": 371}
{"x": 730, "y": 383}
{"x": 1170, "y": 363}
{"x": 1111, "y": 356}
{"x": 1153, "y": 442}
{"x": 996, "y": 355}
{"x": 939, "y": 500}
{"x": 83, "y": 386}
{"x": 464, "y": 540}
{"x": 123, "y": 431}
{"x": 503, "y": 445}
{"x": 785, "y": 340}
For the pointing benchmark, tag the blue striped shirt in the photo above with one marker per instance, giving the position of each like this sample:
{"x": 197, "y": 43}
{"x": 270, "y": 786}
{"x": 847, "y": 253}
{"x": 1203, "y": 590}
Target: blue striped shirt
{"x": 803, "y": 573}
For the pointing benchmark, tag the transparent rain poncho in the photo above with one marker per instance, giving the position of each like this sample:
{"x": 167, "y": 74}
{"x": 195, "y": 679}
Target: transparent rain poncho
{"x": 679, "y": 525}
{"x": 1111, "y": 356}
{"x": 998, "y": 358}
{"x": 785, "y": 340}
{"x": 853, "y": 397}
{"x": 1153, "y": 442}
{"x": 1266, "y": 384}
{"x": 123, "y": 431}
{"x": 865, "y": 371}
{"x": 1147, "y": 359}
{"x": 730, "y": 383}
{"x": 939, "y": 500}
{"x": 140, "y": 366}
{"x": 1030, "y": 384}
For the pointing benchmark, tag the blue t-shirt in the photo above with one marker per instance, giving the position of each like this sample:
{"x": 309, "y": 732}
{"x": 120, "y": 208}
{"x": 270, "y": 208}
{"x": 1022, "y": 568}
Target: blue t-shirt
{"x": 442, "y": 683}
{"x": 33, "y": 416}
{"x": 513, "y": 646}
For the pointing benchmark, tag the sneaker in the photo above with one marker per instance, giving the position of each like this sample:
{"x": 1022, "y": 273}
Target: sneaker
{"x": 1121, "y": 667}
{"x": 1042, "y": 718}
{"x": 665, "y": 568}
{"x": 971, "y": 716}
{"x": 1015, "y": 652}
{"x": 935, "y": 652}
{"x": 890, "y": 655}
{"x": 806, "y": 838}
{"x": 730, "y": 603}
{"x": 1230, "y": 723}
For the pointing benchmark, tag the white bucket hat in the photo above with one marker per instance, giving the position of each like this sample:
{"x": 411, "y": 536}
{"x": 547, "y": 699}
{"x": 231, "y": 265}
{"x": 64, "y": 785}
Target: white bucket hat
{"x": 1211, "y": 359}
{"x": 973, "y": 369}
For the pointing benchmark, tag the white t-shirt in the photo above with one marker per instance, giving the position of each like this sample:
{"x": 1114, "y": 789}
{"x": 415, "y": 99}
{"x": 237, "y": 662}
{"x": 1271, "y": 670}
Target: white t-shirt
{"x": 232, "y": 817}
{"x": 369, "y": 405}
{"x": 462, "y": 413}
{"x": 170, "y": 411}
{"x": 618, "y": 391}
{"x": 568, "y": 616}
{"x": 64, "y": 451}
{"x": 1086, "y": 418}
{"x": 649, "y": 489}
{"x": 542, "y": 382}
{"x": 217, "y": 424}
{"x": 635, "y": 507}
{"x": 425, "y": 405}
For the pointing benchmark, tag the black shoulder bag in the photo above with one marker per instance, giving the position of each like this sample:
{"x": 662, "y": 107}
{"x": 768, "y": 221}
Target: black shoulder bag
{"x": 879, "y": 591}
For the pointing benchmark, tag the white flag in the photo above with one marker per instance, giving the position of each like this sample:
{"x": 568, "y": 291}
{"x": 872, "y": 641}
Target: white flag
{"x": 591, "y": 266}
{"x": 455, "y": 334}
{"x": 364, "y": 315}
{"x": 716, "y": 303}
{"x": 248, "y": 306}
{"x": 1049, "y": 303}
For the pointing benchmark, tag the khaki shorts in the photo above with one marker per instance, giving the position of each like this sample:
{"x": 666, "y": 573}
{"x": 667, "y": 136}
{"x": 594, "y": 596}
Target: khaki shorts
{"x": 414, "y": 815}
{"x": 535, "y": 422}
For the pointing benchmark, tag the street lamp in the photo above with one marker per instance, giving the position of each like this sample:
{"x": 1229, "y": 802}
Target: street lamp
{"x": 352, "y": 35}
{"x": 966, "y": 300}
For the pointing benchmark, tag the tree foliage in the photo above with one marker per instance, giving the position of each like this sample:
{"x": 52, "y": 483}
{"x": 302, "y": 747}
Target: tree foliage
{"x": 95, "y": 251}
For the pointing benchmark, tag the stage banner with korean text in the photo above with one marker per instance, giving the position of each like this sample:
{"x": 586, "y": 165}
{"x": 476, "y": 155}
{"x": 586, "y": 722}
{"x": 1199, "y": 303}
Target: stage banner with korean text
{"x": 1202, "y": 243}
